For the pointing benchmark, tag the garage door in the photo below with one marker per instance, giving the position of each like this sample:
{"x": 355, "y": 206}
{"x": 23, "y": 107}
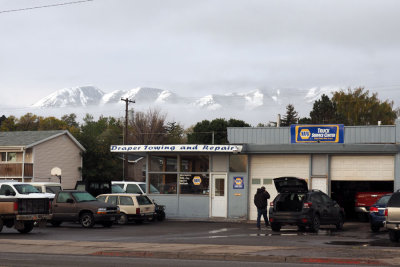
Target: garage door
{"x": 362, "y": 168}
{"x": 263, "y": 168}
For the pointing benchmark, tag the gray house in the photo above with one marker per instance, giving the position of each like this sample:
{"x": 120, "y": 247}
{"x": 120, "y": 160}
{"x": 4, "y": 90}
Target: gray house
{"x": 29, "y": 156}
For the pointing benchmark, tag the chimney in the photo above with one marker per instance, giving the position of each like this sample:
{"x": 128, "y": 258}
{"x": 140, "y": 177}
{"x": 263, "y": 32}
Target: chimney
{"x": 278, "y": 122}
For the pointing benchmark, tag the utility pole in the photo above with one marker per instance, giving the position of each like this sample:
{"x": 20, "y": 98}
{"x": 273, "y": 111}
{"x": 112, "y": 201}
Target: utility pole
{"x": 127, "y": 101}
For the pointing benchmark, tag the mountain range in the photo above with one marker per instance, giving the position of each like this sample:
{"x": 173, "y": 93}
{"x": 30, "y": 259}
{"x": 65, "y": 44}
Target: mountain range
{"x": 254, "y": 106}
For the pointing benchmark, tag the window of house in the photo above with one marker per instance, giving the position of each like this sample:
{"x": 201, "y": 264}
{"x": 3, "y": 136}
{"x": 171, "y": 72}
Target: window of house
{"x": 3, "y": 156}
{"x": 238, "y": 163}
{"x": 11, "y": 156}
{"x": 164, "y": 183}
{"x": 164, "y": 163}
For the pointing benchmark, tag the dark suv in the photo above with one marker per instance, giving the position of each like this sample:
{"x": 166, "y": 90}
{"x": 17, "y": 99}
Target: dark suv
{"x": 296, "y": 205}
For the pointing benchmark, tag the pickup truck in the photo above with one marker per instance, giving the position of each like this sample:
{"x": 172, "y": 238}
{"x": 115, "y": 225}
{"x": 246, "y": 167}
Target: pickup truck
{"x": 20, "y": 208}
{"x": 82, "y": 207}
{"x": 363, "y": 201}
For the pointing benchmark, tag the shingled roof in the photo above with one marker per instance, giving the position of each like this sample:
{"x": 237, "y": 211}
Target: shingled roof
{"x": 31, "y": 138}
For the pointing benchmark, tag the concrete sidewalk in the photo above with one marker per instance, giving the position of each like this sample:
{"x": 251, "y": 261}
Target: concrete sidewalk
{"x": 338, "y": 255}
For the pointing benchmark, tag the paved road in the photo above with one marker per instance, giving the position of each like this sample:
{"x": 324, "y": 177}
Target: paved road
{"x": 209, "y": 241}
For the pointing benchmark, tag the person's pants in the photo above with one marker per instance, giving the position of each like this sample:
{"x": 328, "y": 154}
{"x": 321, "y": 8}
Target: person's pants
{"x": 262, "y": 212}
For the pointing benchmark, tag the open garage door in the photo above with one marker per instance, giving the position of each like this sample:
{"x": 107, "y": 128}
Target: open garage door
{"x": 263, "y": 168}
{"x": 352, "y": 174}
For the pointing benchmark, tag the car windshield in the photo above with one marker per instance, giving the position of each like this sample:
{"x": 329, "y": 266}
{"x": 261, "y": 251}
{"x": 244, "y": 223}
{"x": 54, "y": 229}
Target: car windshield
{"x": 83, "y": 197}
{"x": 116, "y": 189}
{"x": 383, "y": 200}
{"x": 53, "y": 189}
{"x": 26, "y": 189}
{"x": 153, "y": 190}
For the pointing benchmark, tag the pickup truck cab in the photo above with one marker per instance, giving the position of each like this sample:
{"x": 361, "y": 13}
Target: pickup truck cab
{"x": 74, "y": 205}
{"x": 21, "y": 205}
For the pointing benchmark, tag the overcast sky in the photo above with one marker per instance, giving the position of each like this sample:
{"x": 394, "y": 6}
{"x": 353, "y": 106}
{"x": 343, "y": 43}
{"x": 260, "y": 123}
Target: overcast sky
{"x": 198, "y": 47}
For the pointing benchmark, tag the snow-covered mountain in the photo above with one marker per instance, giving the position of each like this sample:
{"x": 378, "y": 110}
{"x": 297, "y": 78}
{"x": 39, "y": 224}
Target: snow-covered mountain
{"x": 254, "y": 106}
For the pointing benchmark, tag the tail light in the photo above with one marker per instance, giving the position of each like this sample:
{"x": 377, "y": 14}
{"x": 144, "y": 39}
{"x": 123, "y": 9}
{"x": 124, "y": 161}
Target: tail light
{"x": 271, "y": 219}
{"x": 16, "y": 206}
{"x": 373, "y": 209}
{"x": 386, "y": 212}
{"x": 137, "y": 210}
{"x": 307, "y": 205}
{"x": 271, "y": 204}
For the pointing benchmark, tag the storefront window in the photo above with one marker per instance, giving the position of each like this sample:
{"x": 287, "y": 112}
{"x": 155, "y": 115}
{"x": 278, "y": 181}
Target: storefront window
{"x": 197, "y": 184}
{"x": 194, "y": 163}
{"x": 163, "y": 163}
{"x": 238, "y": 163}
{"x": 165, "y": 183}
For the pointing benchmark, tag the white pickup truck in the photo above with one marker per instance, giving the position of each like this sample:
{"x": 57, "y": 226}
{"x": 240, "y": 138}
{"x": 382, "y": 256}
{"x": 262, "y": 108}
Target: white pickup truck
{"x": 21, "y": 205}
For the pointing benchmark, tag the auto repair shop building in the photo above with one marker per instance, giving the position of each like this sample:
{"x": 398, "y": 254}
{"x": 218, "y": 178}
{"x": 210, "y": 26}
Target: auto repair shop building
{"x": 207, "y": 181}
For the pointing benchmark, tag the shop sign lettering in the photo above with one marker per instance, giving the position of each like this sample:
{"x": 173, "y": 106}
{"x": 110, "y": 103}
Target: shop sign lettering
{"x": 176, "y": 148}
{"x": 317, "y": 133}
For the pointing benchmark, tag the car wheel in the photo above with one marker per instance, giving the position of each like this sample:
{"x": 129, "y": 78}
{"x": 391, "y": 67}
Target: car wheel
{"x": 123, "y": 219}
{"x": 340, "y": 222}
{"x": 393, "y": 236}
{"x": 55, "y": 223}
{"x": 301, "y": 228}
{"x": 87, "y": 220}
{"x": 28, "y": 226}
{"x": 276, "y": 227}
{"x": 375, "y": 228}
{"x": 107, "y": 224}
{"x": 315, "y": 224}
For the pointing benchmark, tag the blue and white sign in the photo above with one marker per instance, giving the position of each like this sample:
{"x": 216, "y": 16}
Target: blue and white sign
{"x": 238, "y": 182}
{"x": 325, "y": 133}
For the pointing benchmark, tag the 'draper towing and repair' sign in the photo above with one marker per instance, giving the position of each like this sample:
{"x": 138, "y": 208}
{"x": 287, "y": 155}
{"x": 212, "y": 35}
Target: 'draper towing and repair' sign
{"x": 177, "y": 148}
{"x": 325, "y": 133}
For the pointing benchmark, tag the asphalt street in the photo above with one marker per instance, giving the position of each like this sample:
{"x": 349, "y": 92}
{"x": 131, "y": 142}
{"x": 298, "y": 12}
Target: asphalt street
{"x": 211, "y": 241}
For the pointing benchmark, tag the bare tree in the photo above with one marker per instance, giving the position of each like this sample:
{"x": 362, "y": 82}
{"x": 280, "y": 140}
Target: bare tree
{"x": 147, "y": 128}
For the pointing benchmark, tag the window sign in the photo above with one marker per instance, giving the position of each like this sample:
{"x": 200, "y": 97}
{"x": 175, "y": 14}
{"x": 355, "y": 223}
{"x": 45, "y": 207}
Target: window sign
{"x": 324, "y": 133}
{"x": 238, "y": 182}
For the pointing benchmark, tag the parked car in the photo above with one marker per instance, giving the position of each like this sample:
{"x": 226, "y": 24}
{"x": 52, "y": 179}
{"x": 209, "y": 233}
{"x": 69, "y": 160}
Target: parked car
{"x": 47, "y": 187}
{"x": 392, "y": 216}
{"x": 363, "y": 202}
{"x": 296, "y": 205}
{"x": 135, "y": 187}
{"x": 377, "y": 213}
{"x": 21, "y": 205}
{"x": 74, "y": 205}
{"x": 133, "y": 207}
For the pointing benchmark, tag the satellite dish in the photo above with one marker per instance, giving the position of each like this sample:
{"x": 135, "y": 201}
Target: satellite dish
{"x": 56, "y": 171}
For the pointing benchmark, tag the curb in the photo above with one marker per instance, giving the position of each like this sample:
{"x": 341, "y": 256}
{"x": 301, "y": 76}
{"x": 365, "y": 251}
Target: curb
{"x": 239, "y": 257}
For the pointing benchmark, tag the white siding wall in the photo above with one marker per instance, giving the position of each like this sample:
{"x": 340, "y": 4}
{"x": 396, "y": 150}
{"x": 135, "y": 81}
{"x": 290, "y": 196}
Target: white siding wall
{"x": 59, "y": 152}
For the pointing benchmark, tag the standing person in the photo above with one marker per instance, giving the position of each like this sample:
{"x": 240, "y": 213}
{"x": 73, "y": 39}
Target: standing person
{"x": 261, "y": 202}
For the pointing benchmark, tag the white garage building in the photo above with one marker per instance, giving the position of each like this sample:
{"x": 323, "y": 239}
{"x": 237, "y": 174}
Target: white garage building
{"x": 221, "y": 182}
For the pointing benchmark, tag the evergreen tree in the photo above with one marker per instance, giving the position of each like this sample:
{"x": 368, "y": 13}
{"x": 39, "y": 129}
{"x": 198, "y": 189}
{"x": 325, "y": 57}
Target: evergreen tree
{"x": 291, "y": 116}
{"x": 324, "y": 111}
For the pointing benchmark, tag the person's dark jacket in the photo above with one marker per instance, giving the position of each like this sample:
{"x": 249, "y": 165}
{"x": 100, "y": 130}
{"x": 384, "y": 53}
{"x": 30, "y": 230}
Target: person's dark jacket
{"x": 261, "y": 199}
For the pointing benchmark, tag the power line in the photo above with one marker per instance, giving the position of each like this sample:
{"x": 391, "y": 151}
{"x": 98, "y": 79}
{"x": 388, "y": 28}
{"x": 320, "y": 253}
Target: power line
{"x": 45, "y": 6}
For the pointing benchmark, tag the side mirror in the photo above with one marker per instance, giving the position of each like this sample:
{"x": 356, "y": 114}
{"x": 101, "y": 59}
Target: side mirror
{"x": 70, "y": 200}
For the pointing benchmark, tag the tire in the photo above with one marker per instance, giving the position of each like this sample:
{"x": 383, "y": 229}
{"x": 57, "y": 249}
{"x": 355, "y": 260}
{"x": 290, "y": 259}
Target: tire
{"x": 276, "y": 227}
{"x": 393, "y": 236}
{"x": 316, "y": 223}
{"x": 107, "y": 224}
{"x": 86, "y": 220}
{"x": 55, "y": 223}
{"x": 161, "y": 216}
{"x": 301, "y": 228}
{"x": 123, "y": 219}
{"x": 375, "y": 228}
{"x": 28, "y": 226}
{"x": 340, "y": 222}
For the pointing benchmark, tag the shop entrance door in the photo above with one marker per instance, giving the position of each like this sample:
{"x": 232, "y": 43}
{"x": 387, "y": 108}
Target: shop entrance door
{"x": 219, "y": 196}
